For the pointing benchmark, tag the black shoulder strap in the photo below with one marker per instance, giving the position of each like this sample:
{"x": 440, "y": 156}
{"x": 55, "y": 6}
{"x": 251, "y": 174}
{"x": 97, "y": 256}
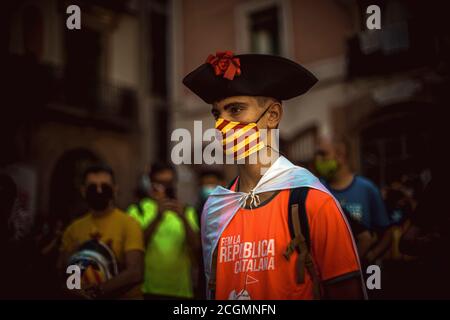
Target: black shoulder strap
{"x": 298, "y": 197}
{"x": 300, "y": 239}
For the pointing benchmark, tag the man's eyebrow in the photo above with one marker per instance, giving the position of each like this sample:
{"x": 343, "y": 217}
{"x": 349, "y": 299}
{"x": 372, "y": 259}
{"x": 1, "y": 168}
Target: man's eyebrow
{"x": 231, "y": 104}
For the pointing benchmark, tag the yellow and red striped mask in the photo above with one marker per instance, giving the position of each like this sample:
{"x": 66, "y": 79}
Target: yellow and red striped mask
{"x": 239, "y": 139}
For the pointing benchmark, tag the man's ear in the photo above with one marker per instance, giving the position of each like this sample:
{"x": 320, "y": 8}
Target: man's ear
{"x": 275, "y": 113}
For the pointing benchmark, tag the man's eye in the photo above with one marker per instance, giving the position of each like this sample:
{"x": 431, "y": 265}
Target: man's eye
{"x": 235, "y": 109}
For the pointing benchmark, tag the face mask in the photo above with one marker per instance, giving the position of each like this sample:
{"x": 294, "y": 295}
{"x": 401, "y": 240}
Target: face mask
{"x": 206, "y": 191}
{"x": 239, "y": 139}
{"x": 99, "y": 201}
{"x": 326, "y": 168}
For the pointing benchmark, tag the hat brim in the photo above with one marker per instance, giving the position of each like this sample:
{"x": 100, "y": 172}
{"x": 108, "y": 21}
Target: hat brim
{"x": 261, "y": 75}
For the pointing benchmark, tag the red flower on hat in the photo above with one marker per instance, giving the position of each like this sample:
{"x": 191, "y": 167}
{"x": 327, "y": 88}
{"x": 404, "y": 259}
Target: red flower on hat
{"x": 224, "y": 63}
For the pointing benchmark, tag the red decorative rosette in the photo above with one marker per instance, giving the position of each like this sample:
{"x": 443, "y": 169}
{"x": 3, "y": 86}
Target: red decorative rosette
{"x": 224, "y": 63}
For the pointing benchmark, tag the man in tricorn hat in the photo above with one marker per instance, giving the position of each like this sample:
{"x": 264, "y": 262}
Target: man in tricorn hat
{"x": 274, "y": 234}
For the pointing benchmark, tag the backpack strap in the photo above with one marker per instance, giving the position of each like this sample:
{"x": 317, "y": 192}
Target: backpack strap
{"x": 298, "y": 198}
{"x": 300, "y": 238}
{"x": 300, "y": 241}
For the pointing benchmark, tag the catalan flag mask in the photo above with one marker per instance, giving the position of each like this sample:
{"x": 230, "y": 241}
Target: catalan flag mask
{"x": 240, "y": 140}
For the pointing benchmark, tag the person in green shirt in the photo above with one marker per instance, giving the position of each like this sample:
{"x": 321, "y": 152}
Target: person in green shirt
{"x": 171, "y": 235}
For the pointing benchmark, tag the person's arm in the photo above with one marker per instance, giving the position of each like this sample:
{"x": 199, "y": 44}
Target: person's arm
{"x": 150, "y": 230}
{"x": 379, "y": 221}
{"x": 381, "y": 247}
{"x": 68, "y": 244}
{"x": 333, "y": 249}
{"x": 192, "y": 237}
{"x": 131, "y": 276}
{"x": 363, "y": 236}
{"x": 133, "y": 272}
{"x": 365, "y": 240}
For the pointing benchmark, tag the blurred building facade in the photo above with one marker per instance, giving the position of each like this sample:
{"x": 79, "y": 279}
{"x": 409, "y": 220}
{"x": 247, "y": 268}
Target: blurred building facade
{"x": 377, "y": 88}
{"x": 81, "y": 96}
{"x": 112, "y": 91}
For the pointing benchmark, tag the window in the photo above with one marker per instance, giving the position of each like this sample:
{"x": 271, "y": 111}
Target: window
{"x": 264, "y": 31}
{"x": 158, "y": 60}
{"x": 83, "y": 67}
{"x": 397, "y": 141}
{"x": 264, "y": 26}
{"x": 158, "y": 48}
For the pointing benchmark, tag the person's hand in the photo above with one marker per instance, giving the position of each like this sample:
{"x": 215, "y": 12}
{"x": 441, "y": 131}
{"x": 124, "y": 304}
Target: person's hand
{"x": 91, "y": 292}
{"x": 95, "y": 291}
{"x": 172, "y": 205}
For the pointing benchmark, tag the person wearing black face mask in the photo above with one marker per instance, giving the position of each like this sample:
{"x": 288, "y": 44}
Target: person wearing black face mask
{"x": 106, "y": 230}
{"x": 99, "y": 197}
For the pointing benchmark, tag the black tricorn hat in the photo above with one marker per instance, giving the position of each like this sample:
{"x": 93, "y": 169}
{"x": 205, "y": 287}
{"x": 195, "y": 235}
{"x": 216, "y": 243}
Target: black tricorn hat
{"x": 225, "y": 75}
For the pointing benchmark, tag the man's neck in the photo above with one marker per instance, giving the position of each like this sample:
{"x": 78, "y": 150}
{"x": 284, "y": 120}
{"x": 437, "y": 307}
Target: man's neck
{"x": 102, "y": 213}
{"x": 342, "y": 179}
{"x": 250, "y": 174}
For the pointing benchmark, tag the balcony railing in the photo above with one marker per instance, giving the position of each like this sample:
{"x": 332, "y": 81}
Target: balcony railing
{"x": 42, "y": 91}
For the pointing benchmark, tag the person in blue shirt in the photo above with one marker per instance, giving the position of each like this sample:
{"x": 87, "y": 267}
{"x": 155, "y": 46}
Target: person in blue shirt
{"x": 359, "y": 197}
{"x": 363, "y": 202}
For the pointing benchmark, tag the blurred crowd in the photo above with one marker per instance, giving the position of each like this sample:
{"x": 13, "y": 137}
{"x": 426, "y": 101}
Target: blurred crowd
{"x": 152, "y": 248}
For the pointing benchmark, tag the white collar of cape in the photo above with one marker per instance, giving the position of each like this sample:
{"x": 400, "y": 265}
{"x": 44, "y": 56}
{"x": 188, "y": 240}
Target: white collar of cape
{"x": 223, "y": 203}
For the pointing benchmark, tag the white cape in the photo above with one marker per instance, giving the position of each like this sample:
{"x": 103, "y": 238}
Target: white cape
{"x": 223, "y": 204}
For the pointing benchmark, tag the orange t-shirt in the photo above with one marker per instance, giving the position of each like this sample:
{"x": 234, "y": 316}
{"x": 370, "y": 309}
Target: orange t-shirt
{"x": 250, "y": 261}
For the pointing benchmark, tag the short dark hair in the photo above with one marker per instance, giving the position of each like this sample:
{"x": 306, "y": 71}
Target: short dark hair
{"x": 218, "y": 174}
{"x": 161, "y": 166}
{"x": 97, "y": 168}
{"x": 344, "y": 141}
{"x": 262, "y": 101}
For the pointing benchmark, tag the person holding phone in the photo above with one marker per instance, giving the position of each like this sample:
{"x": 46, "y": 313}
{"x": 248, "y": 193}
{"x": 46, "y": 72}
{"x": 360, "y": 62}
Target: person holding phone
{"x": 171, "y": 235}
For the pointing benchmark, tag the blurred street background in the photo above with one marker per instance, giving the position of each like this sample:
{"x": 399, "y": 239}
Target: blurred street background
{"x": 111, "y": 92}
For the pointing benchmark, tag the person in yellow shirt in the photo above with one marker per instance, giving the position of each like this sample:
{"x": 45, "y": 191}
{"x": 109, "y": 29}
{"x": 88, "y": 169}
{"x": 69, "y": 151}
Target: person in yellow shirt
{"x": 105, "y": 243}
